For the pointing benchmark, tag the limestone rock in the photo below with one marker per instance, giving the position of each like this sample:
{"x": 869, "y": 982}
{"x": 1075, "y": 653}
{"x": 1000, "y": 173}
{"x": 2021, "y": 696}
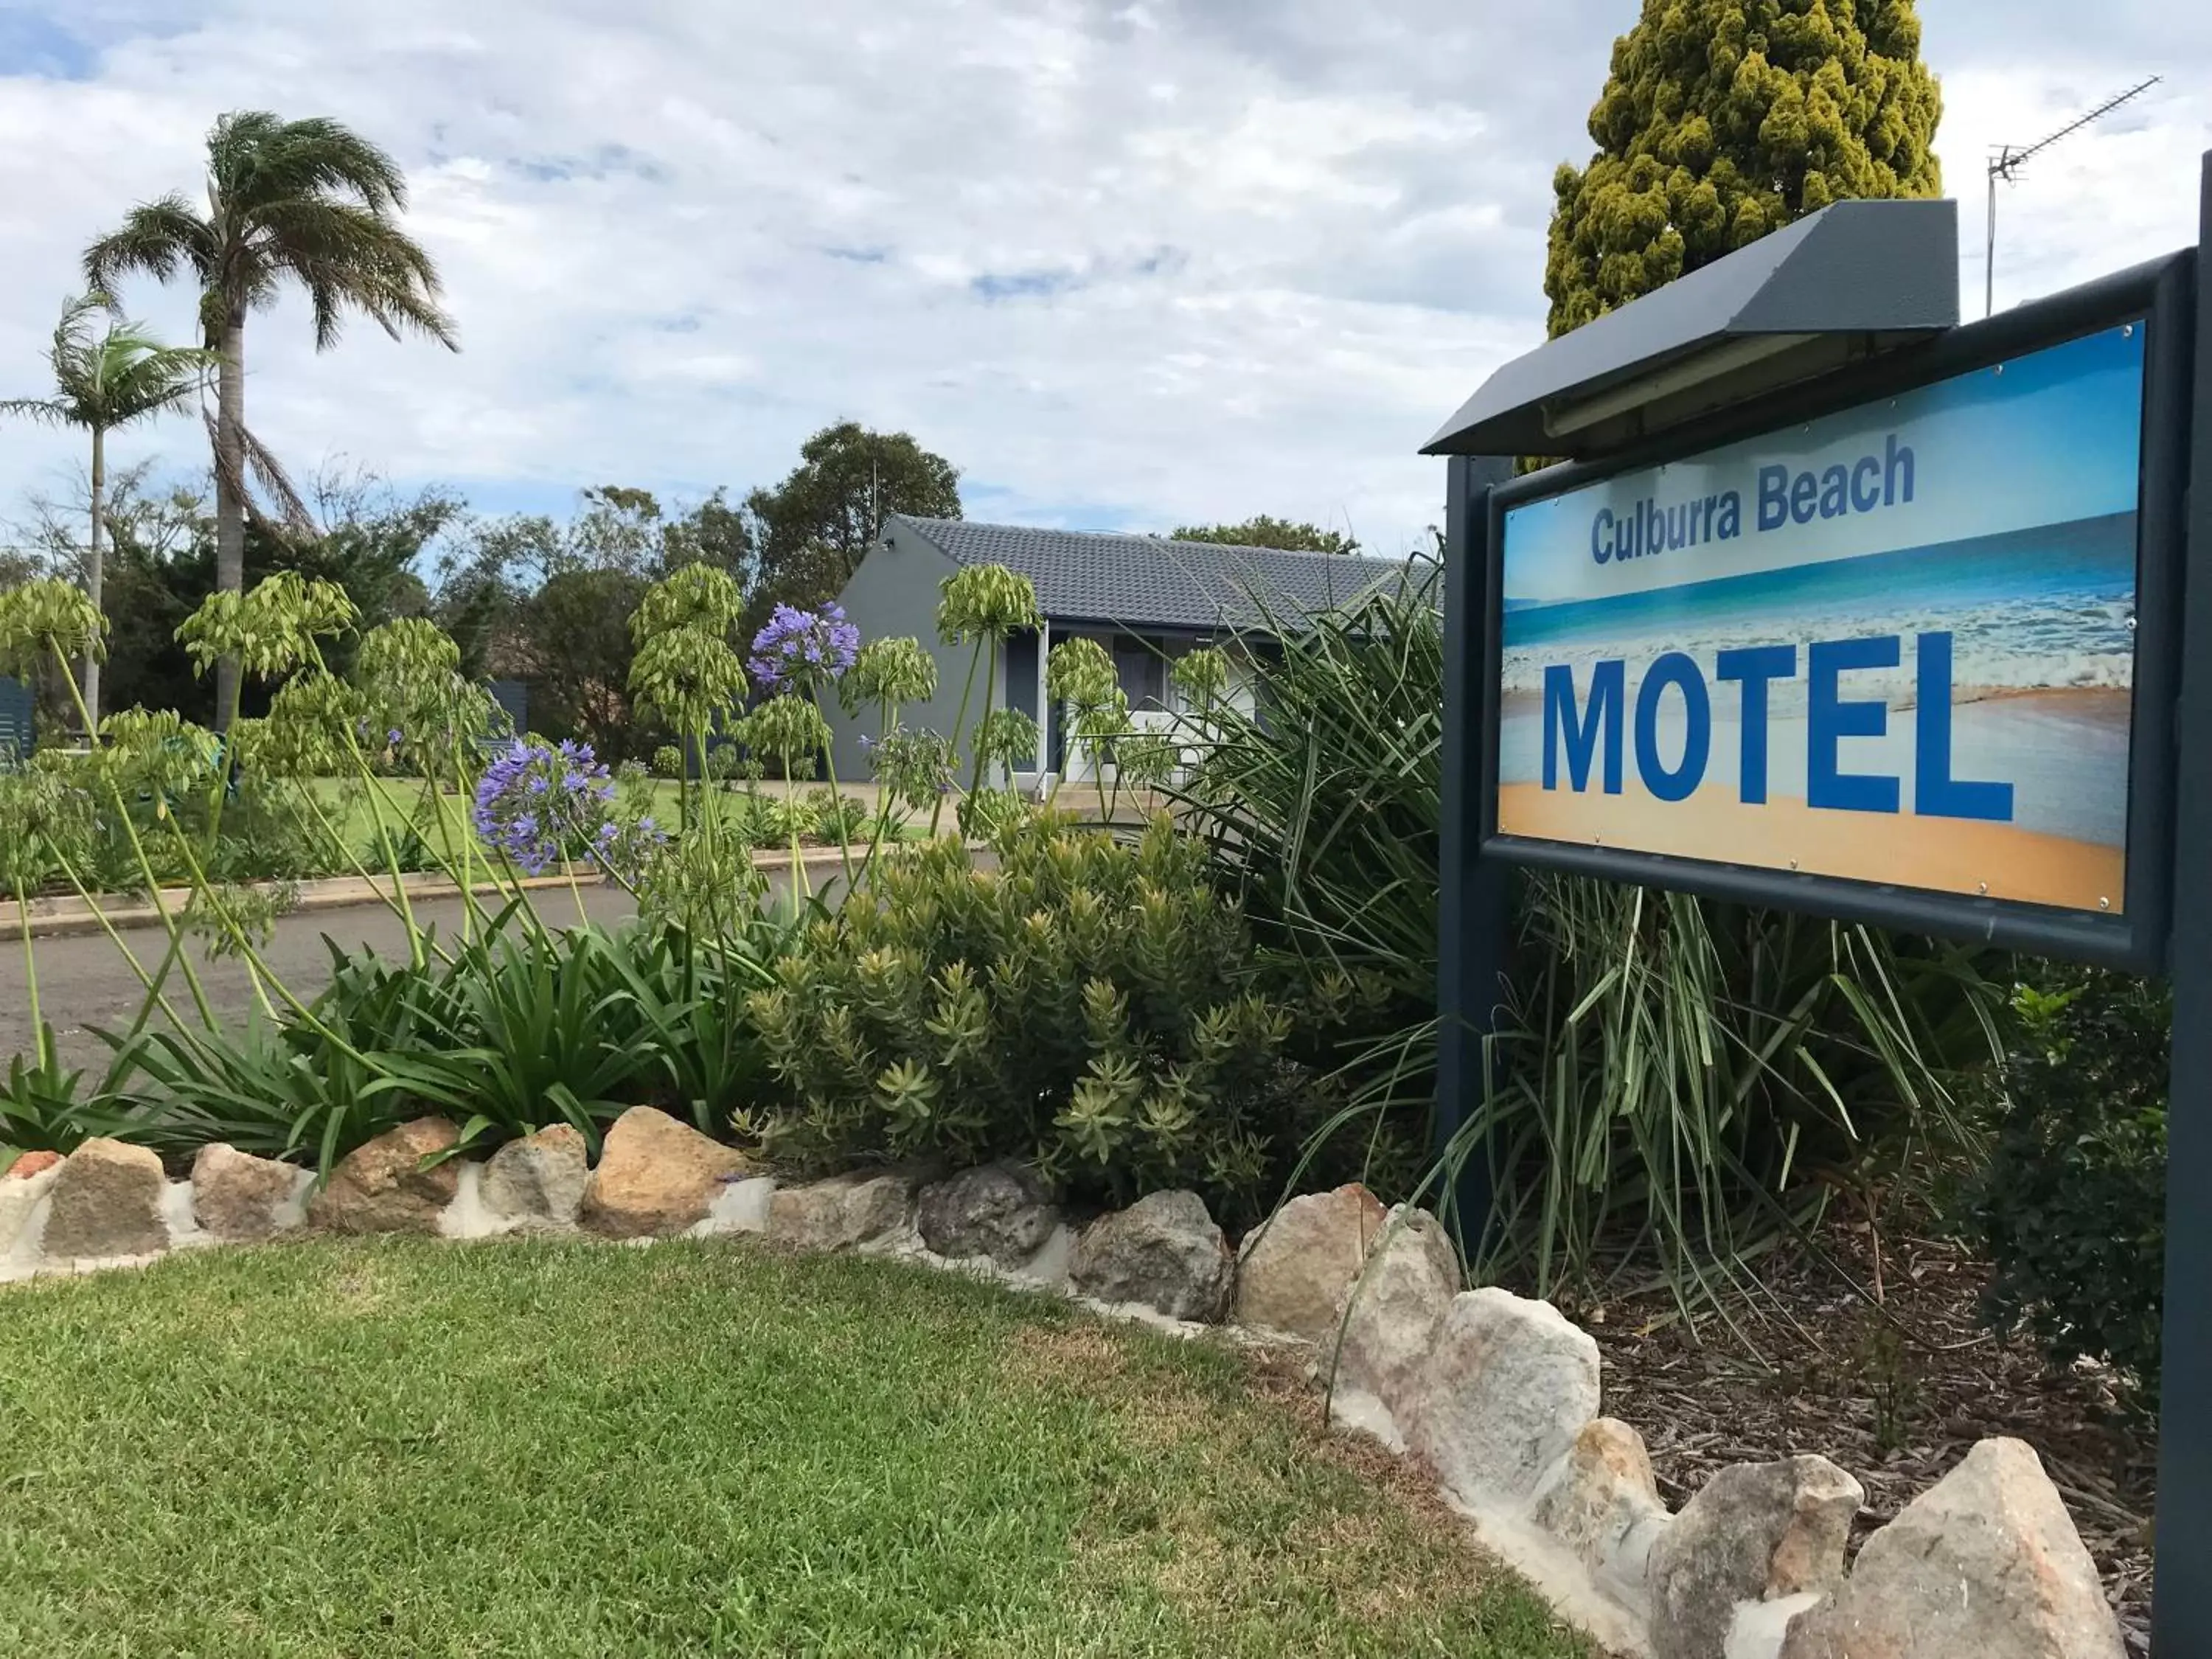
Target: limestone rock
{"x": 1602, "y": 1503}
{"x": 1164, "y": 1252}
{"x": 655, "y": 1176}
{"x": 1293, "y": 1269}
{"x": 382, "y": 1187}
{"x": 1758, "y": 1532}
{"x": 1985, "y": 1562}
{"x": 106, "y": 1202}
{"x": 1509, "y": 1385}
{"x": 540, "y": 1177}
{"x": 1396, "y": 1304}
{"x": 841, "y": 1213}
{"x": 18, "y": 1198}
{"x": 239, "y": 1198}
{"x": 740, "y": 1207}
{"x": 28, "y": 1164}
{"x": 1003, "y": 1211}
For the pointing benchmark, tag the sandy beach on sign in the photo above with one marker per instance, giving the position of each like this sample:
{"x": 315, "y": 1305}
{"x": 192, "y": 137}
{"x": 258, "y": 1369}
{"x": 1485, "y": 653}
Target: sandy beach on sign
{"x": 2064, "y": 750}
{"x": 1951, "y": 855}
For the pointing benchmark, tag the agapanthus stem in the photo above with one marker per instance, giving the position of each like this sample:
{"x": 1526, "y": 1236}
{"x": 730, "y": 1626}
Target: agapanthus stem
{"x": 799, "y": 878}
{"x": 203, "y": 892}
{"x": 983, "y": 722}
{"x": 416, "y": 956}
{"x": 469, "y": 916}
{"x": 153, "y": 997}
{"x": 959, "y": 721}
{"x": 883, "y": 805}
{"x": 31, "y": 976}
{"x": 355, "y": 862}
{"x": 837, "y": 800}
{"x": 1098, "y": 777}
{"x": 145, "y": 868}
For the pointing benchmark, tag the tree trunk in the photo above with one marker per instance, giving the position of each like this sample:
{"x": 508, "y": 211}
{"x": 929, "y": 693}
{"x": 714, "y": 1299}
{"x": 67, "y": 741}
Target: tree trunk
{"x": 93, "y": 578}
{"x": 230, "y": 493}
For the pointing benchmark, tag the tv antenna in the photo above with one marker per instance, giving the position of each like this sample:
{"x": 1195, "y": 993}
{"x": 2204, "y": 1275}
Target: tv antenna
{"x": 2005, "y": 163}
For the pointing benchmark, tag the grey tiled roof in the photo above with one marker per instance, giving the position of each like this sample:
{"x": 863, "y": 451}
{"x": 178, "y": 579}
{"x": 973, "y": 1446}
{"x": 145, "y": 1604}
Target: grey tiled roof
{"x": 1144, "y": 581}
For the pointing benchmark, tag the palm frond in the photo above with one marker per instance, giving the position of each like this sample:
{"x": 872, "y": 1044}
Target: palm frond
{"x": 48, "y": 411}
{"x": 260, "y": 466}
{"x": 258, "y": 160}
{"x": 145, "y": 378}
{"x": 348, "y": 258}
{"x": 109, "y": 379}
{"x": 155, "y": 238}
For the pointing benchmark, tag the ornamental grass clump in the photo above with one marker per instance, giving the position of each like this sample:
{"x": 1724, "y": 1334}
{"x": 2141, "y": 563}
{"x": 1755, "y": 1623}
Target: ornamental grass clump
{"x": 1089, "y": 1004}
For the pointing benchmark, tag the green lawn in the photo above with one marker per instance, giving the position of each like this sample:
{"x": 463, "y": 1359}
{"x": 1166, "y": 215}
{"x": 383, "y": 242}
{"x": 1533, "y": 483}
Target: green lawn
{"x": 407, "y": 1448}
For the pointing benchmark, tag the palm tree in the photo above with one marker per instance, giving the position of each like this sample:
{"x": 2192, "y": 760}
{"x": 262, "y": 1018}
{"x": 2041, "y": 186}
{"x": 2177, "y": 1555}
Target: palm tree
{"x": 305, "y": 200}
{"x": 103, "y": 382}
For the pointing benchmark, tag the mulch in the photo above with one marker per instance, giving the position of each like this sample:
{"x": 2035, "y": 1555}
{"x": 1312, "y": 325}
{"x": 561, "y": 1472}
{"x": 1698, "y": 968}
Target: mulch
{"x": 1897, "y": 1391}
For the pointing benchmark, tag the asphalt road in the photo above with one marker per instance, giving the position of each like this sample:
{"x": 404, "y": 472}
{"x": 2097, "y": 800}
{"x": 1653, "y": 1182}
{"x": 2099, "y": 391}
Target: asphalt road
{"x": 84, "y": 983}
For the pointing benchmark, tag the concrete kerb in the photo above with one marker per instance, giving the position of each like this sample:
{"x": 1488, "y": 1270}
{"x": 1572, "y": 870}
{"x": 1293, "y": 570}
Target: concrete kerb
{"x": 62, "y": 915}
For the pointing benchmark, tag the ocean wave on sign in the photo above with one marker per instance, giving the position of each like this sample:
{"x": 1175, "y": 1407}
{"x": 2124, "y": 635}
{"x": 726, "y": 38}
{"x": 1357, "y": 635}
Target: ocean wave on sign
{"x": 2020, "y": 645}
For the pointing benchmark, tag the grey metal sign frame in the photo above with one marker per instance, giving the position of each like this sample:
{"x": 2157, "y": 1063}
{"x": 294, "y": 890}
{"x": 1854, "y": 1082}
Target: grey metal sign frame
{"x": 2157, "y": 293}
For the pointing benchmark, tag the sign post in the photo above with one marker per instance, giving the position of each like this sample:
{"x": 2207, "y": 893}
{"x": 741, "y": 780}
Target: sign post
{"x": 1472, "y": 892}
{"x": 1844, "y": 608}
{"x": 2181, "y": 1611}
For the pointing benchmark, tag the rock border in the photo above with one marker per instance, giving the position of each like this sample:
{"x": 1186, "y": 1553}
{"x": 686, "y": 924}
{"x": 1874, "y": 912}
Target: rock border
{"x": 1498, "y": 1396}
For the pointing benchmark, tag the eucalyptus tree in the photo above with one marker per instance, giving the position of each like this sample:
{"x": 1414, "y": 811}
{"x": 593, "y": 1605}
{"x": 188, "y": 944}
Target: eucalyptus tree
{"x": 307, "y": 202}
{"x": 104, "y": 378}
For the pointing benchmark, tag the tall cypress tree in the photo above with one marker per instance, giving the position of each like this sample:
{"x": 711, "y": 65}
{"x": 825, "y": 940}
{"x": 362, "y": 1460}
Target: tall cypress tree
{"x": 1724, "y": 120}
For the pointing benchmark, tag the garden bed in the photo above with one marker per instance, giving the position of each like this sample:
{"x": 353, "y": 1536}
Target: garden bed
{"x": 401, "y": 1447}
{"x": 1897, "y": 1392}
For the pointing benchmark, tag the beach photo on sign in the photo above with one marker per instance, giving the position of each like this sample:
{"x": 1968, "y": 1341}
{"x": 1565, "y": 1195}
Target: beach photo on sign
{"x": 1893, "y": 645}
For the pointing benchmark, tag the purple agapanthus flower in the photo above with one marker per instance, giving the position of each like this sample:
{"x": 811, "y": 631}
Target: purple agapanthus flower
{"x": 624, "y": 850}
{"x": 800, "y": 648}
{"x": 519, "y": 811}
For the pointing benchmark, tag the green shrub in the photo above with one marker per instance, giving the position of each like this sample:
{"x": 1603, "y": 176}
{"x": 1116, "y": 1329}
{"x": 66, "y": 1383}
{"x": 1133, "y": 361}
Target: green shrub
{"x": 754, "y": 820}
{"x": 1089, "y": 1004}
{"x": 668, "y": 762}
{"x": 2070, "y": 1206}
{"x": 836, "y": 817}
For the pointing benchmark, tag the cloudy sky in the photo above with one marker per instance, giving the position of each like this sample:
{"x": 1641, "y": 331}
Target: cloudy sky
{"x": 1127, "y": 265}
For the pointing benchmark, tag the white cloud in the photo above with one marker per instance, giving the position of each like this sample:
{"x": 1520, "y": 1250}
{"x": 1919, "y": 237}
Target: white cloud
{"x": 1124, "y": 263}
